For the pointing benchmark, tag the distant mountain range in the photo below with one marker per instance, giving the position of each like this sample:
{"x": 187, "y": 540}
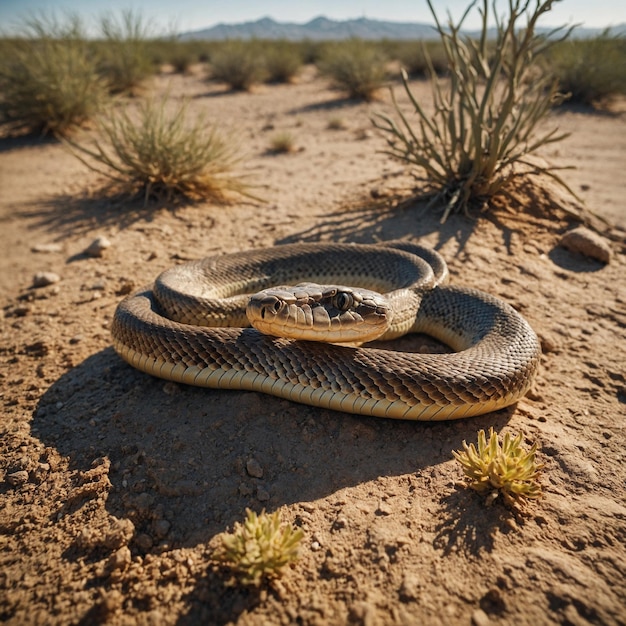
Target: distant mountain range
{"x": 322, "y": 28}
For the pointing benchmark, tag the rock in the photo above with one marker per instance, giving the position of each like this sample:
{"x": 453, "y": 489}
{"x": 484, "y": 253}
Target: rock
{"x": 254, "y": 469}
{"x": 120, "y": 559}
{"x": 17, "y": 478}
{"x": 161, "y": 528}
{"x": 97, "y": 247}
{"x": 588, "y": 243}
{"x": 262, "y": 495}
{"x": 480, "y": 618}
{"x": 47, "y": 247}
{"x": 43, "y": 279}
{"x": 144, "y": 541}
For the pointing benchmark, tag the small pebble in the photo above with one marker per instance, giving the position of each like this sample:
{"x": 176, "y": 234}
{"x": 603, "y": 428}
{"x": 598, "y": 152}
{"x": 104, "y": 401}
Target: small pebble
{"x": 47, "y": 247}
{"x": 17, "y": 478}
{"x": 97, "y": 247}
{"x": 480, "y": 618}
{"x": 254, "y": 469}
{"x": 43, "y": 279}
{"x": 262, "y": 495}
{"x": 144, "y": 541}
{"x": 588, "y": 243}
{"x": 161, "y": 528}
{"x": 120, "y": 559}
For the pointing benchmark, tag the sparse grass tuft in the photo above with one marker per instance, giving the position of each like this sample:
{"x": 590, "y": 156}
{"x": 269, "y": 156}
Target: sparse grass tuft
{"x": 336, "y": 123}
{"x": 508, "y": 469}
{"x": 260, "y": 548}
{"x": 355, "y": 66}
{"x": 49, "y": 82}
{"x": 487, "y": 115}
{"x": 238, "y": 64}
{"x": 162, "y": 155}
{"x": 282, "y": 143}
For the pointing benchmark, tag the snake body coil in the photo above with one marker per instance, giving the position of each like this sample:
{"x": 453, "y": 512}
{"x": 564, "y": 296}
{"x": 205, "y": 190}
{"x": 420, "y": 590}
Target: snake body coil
{"x": 496, "y": 351}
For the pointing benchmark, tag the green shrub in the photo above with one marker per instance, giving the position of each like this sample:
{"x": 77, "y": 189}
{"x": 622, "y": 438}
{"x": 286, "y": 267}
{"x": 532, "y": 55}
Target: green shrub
{"x": 163, "y": 155}
{"x": 282, "y": 61}
{"x": 506, "y": 469}
{"x": 48, "y": 77}
{"x": 260, "y": 548}
{"x": 355, "y": 66}
{"x": 417, "y": 58}
{"x": 487, "y": 116}
{"x": 591, "y": 71}
{"x": 238, "y": 64}
{"x": 125, "y": 58}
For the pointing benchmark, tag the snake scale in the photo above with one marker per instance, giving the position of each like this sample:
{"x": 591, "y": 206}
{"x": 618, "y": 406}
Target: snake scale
{"x": 203, "y": 339}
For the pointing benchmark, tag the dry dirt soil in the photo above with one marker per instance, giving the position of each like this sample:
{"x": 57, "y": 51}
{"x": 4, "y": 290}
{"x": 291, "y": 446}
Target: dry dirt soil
{"x": 114, "y": 485}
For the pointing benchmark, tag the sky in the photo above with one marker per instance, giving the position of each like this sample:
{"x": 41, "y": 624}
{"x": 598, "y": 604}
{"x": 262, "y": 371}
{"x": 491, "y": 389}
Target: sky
{"x": 185, "y": 15}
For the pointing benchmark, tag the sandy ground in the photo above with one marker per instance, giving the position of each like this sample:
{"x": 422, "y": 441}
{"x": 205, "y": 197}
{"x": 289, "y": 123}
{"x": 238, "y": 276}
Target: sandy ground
{"x": 114, "y": 485}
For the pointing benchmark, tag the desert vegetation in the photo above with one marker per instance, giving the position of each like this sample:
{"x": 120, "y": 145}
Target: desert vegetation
{"x": 590, "y": 71}
{"x": 487, "y": 120}
{"x": 355, "y": 67}
{"x": 53, "y": 77}
{"x": 49, "y": 79}
{"x": 162, "y": 154}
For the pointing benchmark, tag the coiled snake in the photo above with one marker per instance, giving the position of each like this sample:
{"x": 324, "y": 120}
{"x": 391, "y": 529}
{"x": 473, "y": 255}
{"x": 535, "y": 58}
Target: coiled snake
{"x": 189, "y": 327}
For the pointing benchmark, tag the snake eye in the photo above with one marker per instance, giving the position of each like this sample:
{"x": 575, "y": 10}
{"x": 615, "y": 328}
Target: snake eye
{"x": 343, "y": 301}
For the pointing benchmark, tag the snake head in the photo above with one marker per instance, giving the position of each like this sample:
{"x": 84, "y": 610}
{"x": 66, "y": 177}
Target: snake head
{"x": 328, "y": 313}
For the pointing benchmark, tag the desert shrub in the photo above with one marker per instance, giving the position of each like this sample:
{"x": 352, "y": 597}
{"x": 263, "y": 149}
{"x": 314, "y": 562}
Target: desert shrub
{"x": 355, "y": 66}
{"x": 238, "y": 64}
{"x": 163, "y": 155}
{"x": 417, "y": 58}
{"x": 125, "y": 58}
{"x": 311, "y": 51}
{"x": 487, "y": 117}
{"x": 590, "y": 71}
{"x": 282, "y": 61}
{"x": 48, "y": 77}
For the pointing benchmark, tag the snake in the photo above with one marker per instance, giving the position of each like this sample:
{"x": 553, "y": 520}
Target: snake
{"x": 191, "y": 326}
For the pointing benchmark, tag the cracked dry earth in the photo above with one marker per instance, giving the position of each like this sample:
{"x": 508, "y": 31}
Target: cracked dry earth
{"x": 114, "y": 485}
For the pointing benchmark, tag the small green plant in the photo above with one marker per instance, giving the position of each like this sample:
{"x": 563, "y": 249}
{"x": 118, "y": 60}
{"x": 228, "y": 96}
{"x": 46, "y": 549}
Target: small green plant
{"x": 486, "y": 125}
{"x": 48, "y": 77}
{"x": 506, "y": 469}
{"x": 282, "y": 143}
{"x": 260, "y": 548}
{"x": 355, "y": 66}
{"x": 239, "y": 64}
{"x": 163, "y": 155}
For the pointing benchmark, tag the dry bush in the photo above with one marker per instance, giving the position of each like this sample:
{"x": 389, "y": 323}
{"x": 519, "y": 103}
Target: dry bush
{"x": 282, "y": 61}
{"x": 590, "y": 71}
{"x": 239, "y": 64}
{"x": 355, "y": 66}
{"x": 48, "y": 77}
{"x": 125, "y": 59}
{"x": 486, "y": 123}
{"x": 163, "y": 155}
